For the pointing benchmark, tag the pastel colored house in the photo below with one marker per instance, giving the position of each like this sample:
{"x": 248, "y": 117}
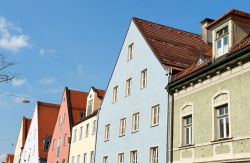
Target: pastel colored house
{"x": 23, "y": 132}
{"x": 210, "y": 113}
{"x": 83, "y": 137}
{"x": 72, "y": 110}
{"x": 132, "y": 125}
{"x": 9, "y": 158}
{"x": 40, "y": 132}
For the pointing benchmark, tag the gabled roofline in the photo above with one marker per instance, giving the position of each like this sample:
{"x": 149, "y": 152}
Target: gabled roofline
{"x": 69, "y": 108}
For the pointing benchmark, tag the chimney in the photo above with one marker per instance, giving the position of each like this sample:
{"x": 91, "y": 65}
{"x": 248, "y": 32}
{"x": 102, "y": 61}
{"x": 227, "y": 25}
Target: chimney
{"x": 206, "y": 34}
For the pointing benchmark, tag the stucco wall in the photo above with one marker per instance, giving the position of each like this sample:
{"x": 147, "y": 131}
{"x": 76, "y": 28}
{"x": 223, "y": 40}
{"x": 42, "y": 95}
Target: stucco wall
{"x": 140, "y": 100}
{"x": 18, "y": 150}
{"x": 237, "y": 83}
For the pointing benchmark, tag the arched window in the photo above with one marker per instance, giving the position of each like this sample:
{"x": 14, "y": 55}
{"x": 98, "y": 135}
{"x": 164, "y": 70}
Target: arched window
{"x": 186, "y": 121}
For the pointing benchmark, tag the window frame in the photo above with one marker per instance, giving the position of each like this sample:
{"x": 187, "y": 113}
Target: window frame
{"x": 86, "y": 134}
{"x": 119, "y": 160}
{"x": 107, "y": 132}
{"x": 122, "y": 128}
{"x": 130, "y": 55}
{"x": 144, "y": 78}
{"x": 135, "y": 124}
{"x": 84, "y": 157}
{"x": 132, "y": 154}
{"x": 93, "y": 127}
{"x": 128, "y": 89}
{"x": 115, "y": 94}
{"x": 156, "y": 117}
{"x": 187, "y": 138}
{"x": 152, "y": 159}
{"x": 105, "y": 159}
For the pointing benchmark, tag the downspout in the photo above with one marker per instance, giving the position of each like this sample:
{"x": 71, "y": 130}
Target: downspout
{"x": 97, "y": 122}
{"x": 168, "y": 157}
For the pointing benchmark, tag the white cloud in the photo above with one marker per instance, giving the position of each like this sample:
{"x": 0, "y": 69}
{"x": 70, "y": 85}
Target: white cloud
{"x": 18, "y": 82}
{"x": 48, "y": 81}
{"x": 43, "y": 51}
{"x": 11, "y": 37}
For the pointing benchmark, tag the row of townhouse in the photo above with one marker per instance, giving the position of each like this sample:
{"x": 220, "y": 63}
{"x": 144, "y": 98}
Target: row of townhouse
{"x": 173, "y": 96}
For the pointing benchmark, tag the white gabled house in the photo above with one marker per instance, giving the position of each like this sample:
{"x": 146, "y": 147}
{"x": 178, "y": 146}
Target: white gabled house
{"x": 132, "y": 125}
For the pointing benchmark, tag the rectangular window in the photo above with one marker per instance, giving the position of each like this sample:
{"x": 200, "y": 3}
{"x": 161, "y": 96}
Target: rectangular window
{"x": 121, "y": 158}
{"x": 75, "y": 133}
{"x": 128, "y": 86}
{"x": 72, "y": 159}
{"x": 223, "y": 121}
{"x": 222, "y": 41}
{"x": 187, "y": 129}
{"x": 87, "y": 130}
{"x": 122, "y": 127}
{"x": 90, "y": 107}
{"x": 92, "y": 156}
{"x": 155, "y": 115}
{"x": 107, "y": 132}
{"x": 115, "y": 91}
{"x": 144, "y": 78}
{"x": 130, "y": 51}
{"x": 78, "y": 158}
{"x": 94, "y": 127}
{"x": 105, "y": 159}
{"x": 135, "y": 122}
{"x": 85, "y": 158}
{"x": 133, "y": 157}
{"x": 80, "y": 135}
{"x": 154, "y": 155}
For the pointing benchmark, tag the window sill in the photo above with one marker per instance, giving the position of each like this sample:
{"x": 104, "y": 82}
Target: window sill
{"x": 221, "y": 140}
{"x": 106, "y": 140}
{"x": 154, "y": 125}
{"x": 135, "y": 131}
{"x": 186, "y": 146}
{"x": 121, "y": 135}
{"x": 114, "y": 102}
{"x": 127, "y": 95}
{"x": 143, "y": 87}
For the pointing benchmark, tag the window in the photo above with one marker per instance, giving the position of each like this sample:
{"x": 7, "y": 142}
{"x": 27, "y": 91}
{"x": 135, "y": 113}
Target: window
{"x": 155, "y": 115}
{"x": 107, "y": 132}
{"x": 105, "y": 159}
{"x": 128, "y": 86}
{"x": 94, "y": 127}
{"x": 115, "y": 91}
{"x": 85, "y": 158}
{"x": 59, "y": 146}
{"x": 154, "y": 155}
{"x": 222, "y": 121}
{"x": 92, "y": 156}
{"x": 144, "y": 78}
{"x": 46, "y": 142}
{"x": 90, "y": 107}
{"x": 53, "y": 145}
{"x": 72, "y": 159}
{"x": 130, "y": 51}
{"x": 133, "y": 157}
{"x": 65, "y": 139}
{"x": 78, "y": 158}
{"x": 80, "y": 135}
{"x": 122, "y": 127}
{"x": 75, "y": 133}
{"x": 87, "y": 130}
{"x": 222, "y": 41}
{"x": 187, "y": 130}
{"x": 121, "y": 158}
{"x": 82, "y": 115}
{"x": 135, "y": 122}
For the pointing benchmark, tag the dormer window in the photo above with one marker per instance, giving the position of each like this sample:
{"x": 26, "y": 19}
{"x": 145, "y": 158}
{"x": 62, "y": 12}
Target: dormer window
{"x": 222, "y": 42}
{"x": 90, "y": 107}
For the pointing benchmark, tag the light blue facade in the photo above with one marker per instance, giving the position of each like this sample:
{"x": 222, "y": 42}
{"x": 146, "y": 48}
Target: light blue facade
{"x": 140, "y": 100}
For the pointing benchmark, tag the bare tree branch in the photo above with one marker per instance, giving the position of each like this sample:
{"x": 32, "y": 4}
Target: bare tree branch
{"x": 6, "y": 76}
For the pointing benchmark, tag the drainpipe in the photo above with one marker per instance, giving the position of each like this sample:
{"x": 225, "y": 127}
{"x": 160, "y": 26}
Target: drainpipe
{"x": 168, "y": 155}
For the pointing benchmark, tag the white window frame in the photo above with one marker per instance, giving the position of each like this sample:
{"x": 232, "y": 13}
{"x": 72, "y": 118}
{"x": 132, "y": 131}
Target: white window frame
{"x": 122, "y": 129}
{"x": 84, "y": 157}
{"x": 187, "y": 136}
{"x": 72, "y": 159}
{"x": 128, "y": 87}
{"x": 81, "y": 131}
{"x": 87, "y": 130}
{"x": 75, "y": 134}
{"x": 92, "y": 155}
{"x": 107, "y": 132}
{"x": 155, "y": 115}
{"x": 225, "y": 120}
{"x": 120, "y": 158}
{"x": 144, "y": 76}
{"x": 221, "y": 98}
{"x": 90, "y": 107}
{"x": 135, "y": 122}
{"x": 78, "y": 158}
{"x": 134, "y": 156}
{"x": 115, "y": 94}
{"x": 130, "y": 51}
{"x": 154, "y": 154}
{"x": 93, "y": 127}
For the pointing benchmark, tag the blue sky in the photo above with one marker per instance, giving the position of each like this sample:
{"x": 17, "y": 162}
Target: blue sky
{"x": 75, "y": 43}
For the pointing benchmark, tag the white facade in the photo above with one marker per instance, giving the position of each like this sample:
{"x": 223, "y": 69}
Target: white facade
{"x": 30, "y": 150}
{"x": 125, "y": 98}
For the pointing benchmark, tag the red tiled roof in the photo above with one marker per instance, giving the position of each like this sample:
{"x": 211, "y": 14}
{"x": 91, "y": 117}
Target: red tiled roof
{"x": 193, "y": 68}
{"x": 78, "y": 104}
{"x": 47, "y": 117}
{"x": 9, "y": 158}
{"x": 230, "y": 13}
{"x": 100, "y": 93}
{"x": 173, "y": 47}
{"x": 26, "y": 125}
